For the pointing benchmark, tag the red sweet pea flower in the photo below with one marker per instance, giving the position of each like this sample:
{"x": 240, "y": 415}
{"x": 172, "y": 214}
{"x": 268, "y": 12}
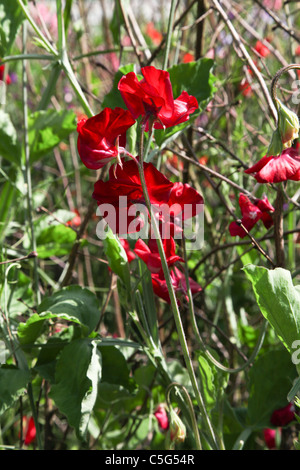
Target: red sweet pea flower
{"x": 162, "y": 417}
{"x": 178, "y": 280}
{"x": 283, "y": 416}
{"x": 188, "y": 57}
{"x": 263, "y": 50}
{"x": 123, "y": 190}
{"x": 150, "y": 254}
{"x": 8, "y": 79}
{"x": 245, "y": 88}
{"x": 130, "y": 254}
{"x": 30, "y": 430}
{"x": 76, "y": 220}
{"x": 153, "y": 97}
{"x": 251, "y": 214}
{"x": 152, "y": 32}
{"x": 277, "y": 169}
{"x": 270, "y": 438}
{"x": 102, "y": 138}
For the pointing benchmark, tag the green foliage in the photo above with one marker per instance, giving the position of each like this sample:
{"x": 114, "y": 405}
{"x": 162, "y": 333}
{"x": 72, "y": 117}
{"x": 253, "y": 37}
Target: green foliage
{"x": 72, "y": 303}
{"x": 270, "y": 379}
{"x": 278, "y": 301}
{"x": 9, "y": 145}
{"x": 52, "y": 236}
{"x": 47, "y": 129}
{"x": 116, "y": 256}
{"x": 78, "y": 372}
{"x": 91, "y": 357}
{"x": 11, "y": 17}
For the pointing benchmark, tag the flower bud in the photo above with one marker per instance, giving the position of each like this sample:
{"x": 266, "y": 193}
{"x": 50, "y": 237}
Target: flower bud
{"x": 288, "y": 125}
{"x": 162, "y": 417}
{"x": 177, "y": 428}
{"x": 276, "y": 146}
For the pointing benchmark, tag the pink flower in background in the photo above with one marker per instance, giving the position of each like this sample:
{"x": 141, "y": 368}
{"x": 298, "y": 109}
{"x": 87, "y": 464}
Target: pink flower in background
{"x": 41, "y": 9}
{"x": 273, "y": 4}
{"x": 76, "y": 220}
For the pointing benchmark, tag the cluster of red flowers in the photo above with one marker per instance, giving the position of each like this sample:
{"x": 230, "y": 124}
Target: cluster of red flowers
{"x": 102, "y": 139}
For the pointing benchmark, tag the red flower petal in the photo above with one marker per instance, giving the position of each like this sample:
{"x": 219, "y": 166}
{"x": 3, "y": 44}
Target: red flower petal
{"x": 153, "y": 96}
{"x": 283, "y": 416}
{"x": 162, "y": 417}
{"x": 251, "y": 214}
{"x": 97, "y": 136}
{"x": 30, "y": 432}
{"x": 277, "y": 169}
{"x": 150, "y": 254}
{"x": 168, "y": 199}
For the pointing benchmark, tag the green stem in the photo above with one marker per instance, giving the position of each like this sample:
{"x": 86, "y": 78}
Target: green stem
{"x": 191, "y": 410}
{"x": 169, "y": 33}
{"x": 65, "y": 63}
{"x": 27, "y": 169}
{"x": 278, "y": 228}
{"x": 43, "y": 39}
{"x": 175, "y": 310}
{"x": 10, "y": 58}
{"x": 16, "y": 351}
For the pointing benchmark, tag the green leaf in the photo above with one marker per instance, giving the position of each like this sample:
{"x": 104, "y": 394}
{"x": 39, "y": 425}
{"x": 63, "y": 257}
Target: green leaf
{"x": 47, "y": 129}
{"x": 46, "y": 361}
{"x": 114, "y": 99}
{"x": 53, "y": 238}
{"x": 28, "y": 332}
{"x": 278, "y": 300}
{"x": 56, "y": 240}
{"x": 114, "y": 367}
{"x": 7, "y": 198}
{"x": 9, "y": 145}
{"x": 13, "y": 382}
{"x": 116, "y": 256}
{"x": 11, "y": 17}
{"x": 116, "y": 384}
{"x": 74, "y": 303}
{"x": 270, "y": 379}
{"x": 78, "y": 373}
{"x": 213, "y": 380}
{"x": 193, "y": 77}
